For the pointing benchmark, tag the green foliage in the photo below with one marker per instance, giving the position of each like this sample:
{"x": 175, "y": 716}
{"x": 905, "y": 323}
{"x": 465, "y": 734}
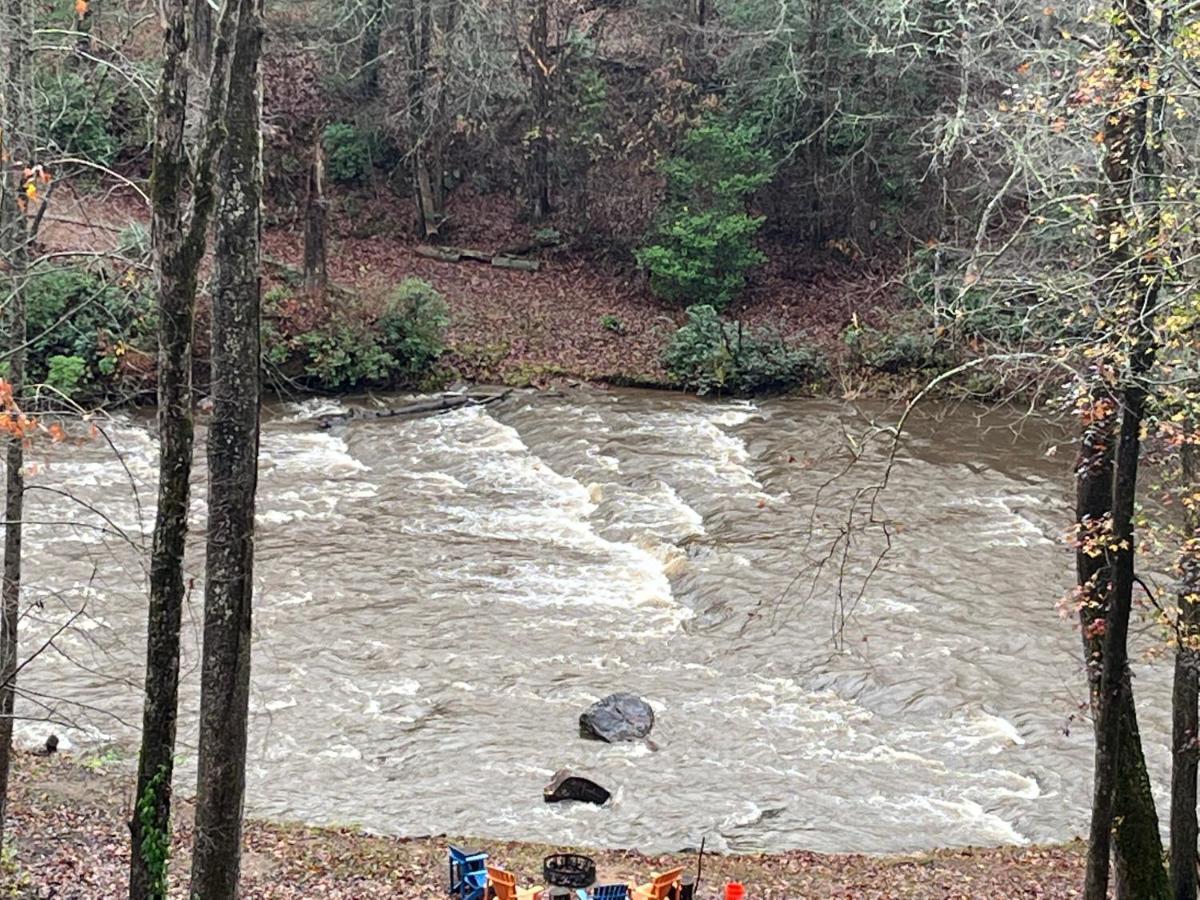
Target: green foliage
{"x": 710, "y": 353}
{"x": 703, "y": 246}
{"x": 702, "y": 257}
{"x": 412, "y": 329}
{"x": 156, "y": 840}
{"x": 400, "y": 346}
{"x": 90, "y": 114}
{"x": 895, "y": 351}
{"x": 612, "y": 323}
{"x": 77, "y": 114}
{"x": 720, "y": 166}
{"x": 65, "y": 373}
{"x": 78, "y": 322}
{"x": 347, "y": 152}
{"x": 343, "y": 357}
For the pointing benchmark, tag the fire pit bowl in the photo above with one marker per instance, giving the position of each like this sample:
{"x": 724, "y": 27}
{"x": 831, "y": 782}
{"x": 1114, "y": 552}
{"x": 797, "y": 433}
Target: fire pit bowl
{"x": 570, "y": 870}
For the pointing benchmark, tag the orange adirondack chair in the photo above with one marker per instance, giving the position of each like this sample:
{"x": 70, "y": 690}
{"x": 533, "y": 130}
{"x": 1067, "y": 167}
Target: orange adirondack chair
{"x": 502, "y": 885}
{"x": 660, "y": 887}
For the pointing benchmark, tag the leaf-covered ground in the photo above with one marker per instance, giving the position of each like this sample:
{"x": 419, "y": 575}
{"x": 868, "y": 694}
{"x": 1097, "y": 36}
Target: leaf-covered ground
{"x": 68, "y": 825}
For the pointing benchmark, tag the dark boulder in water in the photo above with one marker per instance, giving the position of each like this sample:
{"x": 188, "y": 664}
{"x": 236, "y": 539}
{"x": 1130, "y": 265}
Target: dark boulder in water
{"x": 568, "y": 785}
{"x": 618, "y": 717}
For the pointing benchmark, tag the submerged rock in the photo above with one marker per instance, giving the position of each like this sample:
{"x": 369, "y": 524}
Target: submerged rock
{"x": 618, "y": 717}
{"x": 568, "y": 785}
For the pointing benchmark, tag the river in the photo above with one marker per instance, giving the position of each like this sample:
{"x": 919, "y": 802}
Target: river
{"x": 438, "y": 599}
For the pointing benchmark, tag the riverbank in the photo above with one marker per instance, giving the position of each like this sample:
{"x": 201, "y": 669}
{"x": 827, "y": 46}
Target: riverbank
{"x": 68, "y": 827}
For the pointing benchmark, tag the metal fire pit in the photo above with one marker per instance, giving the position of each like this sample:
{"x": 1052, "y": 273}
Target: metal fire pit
{"x": 570, "y": 870}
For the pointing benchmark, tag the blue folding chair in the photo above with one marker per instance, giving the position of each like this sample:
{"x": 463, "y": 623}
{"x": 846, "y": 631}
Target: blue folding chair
{"x": 468, "y": 874}
{"x": 610, "y": 892}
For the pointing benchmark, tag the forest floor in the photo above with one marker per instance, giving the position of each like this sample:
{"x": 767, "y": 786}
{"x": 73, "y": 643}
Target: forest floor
{"x": 68, "y": 820}
{"x": 579, "y": 318}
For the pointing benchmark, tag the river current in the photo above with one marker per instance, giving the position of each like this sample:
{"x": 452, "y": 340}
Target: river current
{"x": 437, "y": 600}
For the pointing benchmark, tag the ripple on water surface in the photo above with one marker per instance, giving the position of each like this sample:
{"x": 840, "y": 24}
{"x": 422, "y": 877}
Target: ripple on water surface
{"x": 437, "y": 599}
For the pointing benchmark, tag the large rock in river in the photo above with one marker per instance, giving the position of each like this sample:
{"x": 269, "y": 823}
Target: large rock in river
{"x": 618, "y": 717}
{"x": 568, "y": 785}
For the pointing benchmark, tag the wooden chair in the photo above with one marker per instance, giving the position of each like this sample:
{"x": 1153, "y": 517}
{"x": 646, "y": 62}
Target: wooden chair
{"x": 660, "y": 887}
{"x": 502, "y": 885}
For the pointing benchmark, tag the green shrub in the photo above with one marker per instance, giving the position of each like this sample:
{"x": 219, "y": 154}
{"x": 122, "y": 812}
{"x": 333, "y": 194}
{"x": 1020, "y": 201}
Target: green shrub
{"x": 88, "y": 115}
{"x": 77, "y": 323}
{"x": 398, "y": 347}
{"x": 703, "y": 246}
{"x": 612, "y": 323}
{"x": 347, "y": 153}
{"x": 412, "y": 329}
{"x": 343, "y": 357}
{"x": 895, "y": 351}
{"x": 65, "y": 373}
{"x": 702, "y": 257}
{"x": 710, "y": 353}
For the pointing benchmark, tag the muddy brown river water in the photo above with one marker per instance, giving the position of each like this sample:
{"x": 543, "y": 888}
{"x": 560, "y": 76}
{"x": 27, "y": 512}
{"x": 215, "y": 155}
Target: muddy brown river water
{"x": 438, "y": 599}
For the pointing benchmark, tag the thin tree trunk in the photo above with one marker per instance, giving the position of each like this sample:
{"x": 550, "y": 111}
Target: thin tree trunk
{"x": 315, "y": 219}
{"x": 1128, "y": 227}
{"x": 15, "y": 140}
{"x": 538, "y": 179}
{"x": 233, "y": 474}
{"x": 1137, "y": 847}
{"x": 1185, "y": 726}
{"x": 372, "y": 32}
{"x": 179, "y": 226}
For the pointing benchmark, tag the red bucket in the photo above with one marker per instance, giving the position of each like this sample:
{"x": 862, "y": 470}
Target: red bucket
{"x": 735, "y": 891}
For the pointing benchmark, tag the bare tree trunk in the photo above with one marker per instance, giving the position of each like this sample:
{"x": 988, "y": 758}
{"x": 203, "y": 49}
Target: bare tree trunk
{"x": 1137, "y": 847}
{"x": 233, "y": 474}
{"x": 1128, "y": 216}
{"x": 1185, "y": 726}
{"x": 372, "y": 32}
{"x": 179, "y": 226}
{"x": 540, "y": 71}
{"x": 315, "y": 220}
{"x": 15, "y": 141}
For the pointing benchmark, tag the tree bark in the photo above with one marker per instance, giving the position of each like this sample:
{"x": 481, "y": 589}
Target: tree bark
{"x": 15, "y": 143}
{"x": 1185, "y": 724}
{"x": 540, "y": 70}
{"x": 233, "y": 474}
{"x": 179, "y": 226}
{"x": 1137, "y": 845}
{"x": 1128, "y": 228}
{"x": 315, "y": 218}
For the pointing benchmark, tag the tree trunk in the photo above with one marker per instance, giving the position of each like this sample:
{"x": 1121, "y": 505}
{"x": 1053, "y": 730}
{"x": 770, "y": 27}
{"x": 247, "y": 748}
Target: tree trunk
{"x": 179, "y": 226}
{"x": 315, "y": 219}
{"x": 540, "y": 69}
{"x": 1185, "y": 725}
{"x": 1137, "y": 847}
{"x": 233, "y": 474}
{"x": 1128, "y": 228}
{"x": 372, "y": 32}
{"x": 15, "y": 141}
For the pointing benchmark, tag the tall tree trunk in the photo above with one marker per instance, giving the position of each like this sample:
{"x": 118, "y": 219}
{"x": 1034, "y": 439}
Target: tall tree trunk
{"x": 1185, "y": 726}
{"x": 179, "y": 225}
{"x": 315, "y": 220}
{"x": 15, "y": 143}
{"x": 372, "y": 33}
{"x": 426, "y": 151}
{"x": 540, "y": 72}
{"x": 233, "y": 475}
{"x": 1137, "y": 846}
{"x": 1128, "y": 237}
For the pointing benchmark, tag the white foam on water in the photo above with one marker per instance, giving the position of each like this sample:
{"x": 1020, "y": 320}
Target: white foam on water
{"x": 547, "y": 509}
{"x": 312, "y": 408}
{"x": 302, "y": 453}
{"x": 966, "y": 815}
